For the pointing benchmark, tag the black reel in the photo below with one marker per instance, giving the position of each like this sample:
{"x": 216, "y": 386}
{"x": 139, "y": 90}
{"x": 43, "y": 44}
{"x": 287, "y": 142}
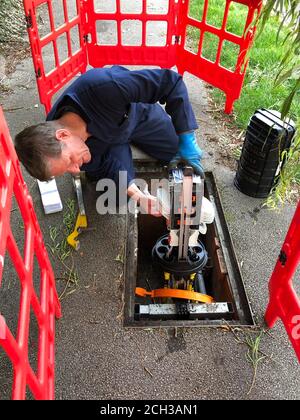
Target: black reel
{"x": 167, "y": 258}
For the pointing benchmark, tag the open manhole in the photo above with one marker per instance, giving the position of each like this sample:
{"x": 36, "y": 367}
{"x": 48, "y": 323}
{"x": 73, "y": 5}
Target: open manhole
{"x": 222, "y": 276}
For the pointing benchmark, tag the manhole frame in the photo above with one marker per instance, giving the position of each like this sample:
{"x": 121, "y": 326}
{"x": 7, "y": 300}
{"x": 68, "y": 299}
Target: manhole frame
{"x": 241, "y": 300}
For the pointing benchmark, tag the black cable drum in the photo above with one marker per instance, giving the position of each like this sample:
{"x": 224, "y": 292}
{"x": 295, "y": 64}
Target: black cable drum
{"x": 266, "y": 138}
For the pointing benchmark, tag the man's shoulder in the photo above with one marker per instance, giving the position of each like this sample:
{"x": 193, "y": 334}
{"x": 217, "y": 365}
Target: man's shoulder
{"x": 100, "y": 76}
{"x": 83, "y": 91}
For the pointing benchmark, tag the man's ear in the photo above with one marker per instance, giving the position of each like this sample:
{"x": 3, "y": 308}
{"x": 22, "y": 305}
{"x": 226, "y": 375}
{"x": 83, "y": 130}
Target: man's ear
{"x": 62, "y": 134}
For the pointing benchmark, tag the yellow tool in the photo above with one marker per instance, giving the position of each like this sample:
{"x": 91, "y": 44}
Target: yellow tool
{"x": 81, "y": 222}
{"x": 174, "y": 293}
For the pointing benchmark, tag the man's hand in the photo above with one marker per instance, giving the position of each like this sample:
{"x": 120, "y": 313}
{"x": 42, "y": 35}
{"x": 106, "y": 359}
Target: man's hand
{"x": 189, "y": 153}
{"x": 149, "y": 205}
{"x": 147, "y": 202}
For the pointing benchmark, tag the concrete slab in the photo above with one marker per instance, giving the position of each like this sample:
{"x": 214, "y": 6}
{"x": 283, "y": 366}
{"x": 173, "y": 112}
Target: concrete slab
{"x": 140, "y": 155}
{"x": 96, "y": 358}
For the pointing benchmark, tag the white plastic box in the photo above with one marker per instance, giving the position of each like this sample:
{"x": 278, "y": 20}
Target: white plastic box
{"x": 50, "y": 197}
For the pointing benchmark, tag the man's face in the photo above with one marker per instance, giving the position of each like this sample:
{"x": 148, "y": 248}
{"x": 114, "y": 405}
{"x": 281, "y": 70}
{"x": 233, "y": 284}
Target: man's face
{"x": 73, "y": 155}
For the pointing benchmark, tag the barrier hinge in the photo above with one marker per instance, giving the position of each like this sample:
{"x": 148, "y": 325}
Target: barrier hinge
{"x": 29, "y": 23}
{"x": 38, "y": 73}
{"x": 283, "y": 258}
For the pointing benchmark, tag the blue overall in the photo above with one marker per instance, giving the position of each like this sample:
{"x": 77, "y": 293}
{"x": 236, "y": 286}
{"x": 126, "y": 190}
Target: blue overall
{"x": 120, "y": 107}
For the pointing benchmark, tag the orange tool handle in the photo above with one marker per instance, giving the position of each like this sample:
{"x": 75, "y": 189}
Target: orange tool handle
{"x": 174, "y": 293}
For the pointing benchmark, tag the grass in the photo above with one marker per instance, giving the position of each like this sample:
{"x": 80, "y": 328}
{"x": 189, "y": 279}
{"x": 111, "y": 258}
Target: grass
{"x": 254, "y": 355}
{"x": 259, "y": 90}
{"x": 61, "y": 250}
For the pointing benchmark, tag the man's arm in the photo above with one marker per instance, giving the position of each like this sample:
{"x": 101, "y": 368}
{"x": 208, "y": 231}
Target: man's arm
{"x": 167, "y": 87}
{"x": 156, "y": 85}
{"x": 147, "y": 202}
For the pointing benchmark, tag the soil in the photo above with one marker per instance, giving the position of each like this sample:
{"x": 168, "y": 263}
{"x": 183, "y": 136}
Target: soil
{"x": 11, "y": 54}
{"x": 228, "y": 140}
{"x": 14, "y": 53}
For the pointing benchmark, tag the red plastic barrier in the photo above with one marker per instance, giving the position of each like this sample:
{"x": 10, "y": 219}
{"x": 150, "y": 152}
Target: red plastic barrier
{"x": 226, "y": 41}
{"x": 41, "y": 383}
{"x": 126, "y": 32}
{"x": 284, "y": 302}
{"x": 53, "y": 38}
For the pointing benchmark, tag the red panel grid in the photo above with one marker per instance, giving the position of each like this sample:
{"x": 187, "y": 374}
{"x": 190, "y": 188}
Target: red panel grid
{"x": 284, "y": 303}
{"x": 63, "y": 39}
{"x": 125, "y": 32}
{"x": 45, "y": 308}
{"x": 137, "y": 32}
{"x": 211, "y": 69}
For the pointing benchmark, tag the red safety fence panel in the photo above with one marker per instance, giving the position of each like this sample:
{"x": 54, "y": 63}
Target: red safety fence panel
{"x": 284, "y": 302}
{"x": 58, "y": 43}
{"x": 45, "y": 307}
{"x": 224, "y": 39}
{"x": 139, "y": 32}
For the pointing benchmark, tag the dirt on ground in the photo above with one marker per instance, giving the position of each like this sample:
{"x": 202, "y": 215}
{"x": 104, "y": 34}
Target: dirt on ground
{"x": 14, "y": 44}
{"x": 14, "y": 53}
{"x": 228, "y": 140}
{"x": 11, "y": 54}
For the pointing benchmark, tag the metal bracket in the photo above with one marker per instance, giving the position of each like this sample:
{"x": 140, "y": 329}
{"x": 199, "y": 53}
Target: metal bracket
{"x": 177, "y": 39}
{"x": 29, "y": 23}
{"x": 283, "y": 257}
{"x": 164, "y": 311}
{"x": 81, "y": 222}
{"x": 86, "y": 38}
{"x": 38, "y": 73}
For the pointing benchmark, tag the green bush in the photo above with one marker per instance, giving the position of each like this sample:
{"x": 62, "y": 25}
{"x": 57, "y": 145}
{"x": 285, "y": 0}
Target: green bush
{"x": 259, "y": 90}
{"x": 273, "y": 51}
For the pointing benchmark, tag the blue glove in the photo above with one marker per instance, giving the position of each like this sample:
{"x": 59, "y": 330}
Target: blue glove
{"x": 189, "y": 153}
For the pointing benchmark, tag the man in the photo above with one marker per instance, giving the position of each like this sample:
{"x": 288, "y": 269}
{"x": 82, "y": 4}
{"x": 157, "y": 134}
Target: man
{"x": 92, "y": 124}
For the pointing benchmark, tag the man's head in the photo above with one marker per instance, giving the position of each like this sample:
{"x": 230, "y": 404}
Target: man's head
{"x": 49, "y": 149}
